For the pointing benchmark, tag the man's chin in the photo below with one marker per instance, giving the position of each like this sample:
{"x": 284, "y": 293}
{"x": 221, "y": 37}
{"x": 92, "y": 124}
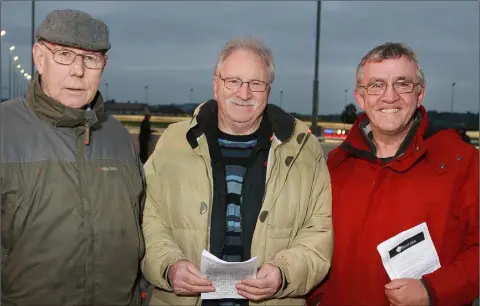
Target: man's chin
{"x": 74, "y": 104}
{"x": 241, "y": 120}
{"x": 391, "y": 130}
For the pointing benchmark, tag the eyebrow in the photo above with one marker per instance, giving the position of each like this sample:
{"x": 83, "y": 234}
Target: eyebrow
{"x": 396, "y": 79}
{"x": 238, "y": 78}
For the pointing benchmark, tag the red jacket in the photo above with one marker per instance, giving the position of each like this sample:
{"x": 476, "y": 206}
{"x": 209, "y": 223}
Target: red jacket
{"x": 435, "y": 181}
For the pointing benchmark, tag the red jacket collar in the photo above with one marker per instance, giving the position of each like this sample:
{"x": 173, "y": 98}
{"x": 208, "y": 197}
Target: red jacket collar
{"x": 357, "y": 145}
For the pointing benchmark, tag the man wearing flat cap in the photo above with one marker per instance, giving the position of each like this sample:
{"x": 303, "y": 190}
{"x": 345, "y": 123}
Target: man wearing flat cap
{"x": 71, "y": 181}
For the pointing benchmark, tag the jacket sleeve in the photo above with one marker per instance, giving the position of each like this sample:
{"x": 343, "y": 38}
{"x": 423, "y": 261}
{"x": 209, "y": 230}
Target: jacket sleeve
{"x": 457, "y": 283}
{"x": 306, "y": 262}
{"x": 161, "y": 251}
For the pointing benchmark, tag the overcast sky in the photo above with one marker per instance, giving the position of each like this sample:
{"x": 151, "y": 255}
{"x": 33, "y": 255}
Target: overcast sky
{"x": 172, "y": 46}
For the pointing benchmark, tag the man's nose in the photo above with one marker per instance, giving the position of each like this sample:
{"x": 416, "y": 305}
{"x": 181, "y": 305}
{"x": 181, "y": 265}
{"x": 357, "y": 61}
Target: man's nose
{"x": 77, "y": 68}
{"x": 244, "y": 92}
{"x": 390, "y": 95}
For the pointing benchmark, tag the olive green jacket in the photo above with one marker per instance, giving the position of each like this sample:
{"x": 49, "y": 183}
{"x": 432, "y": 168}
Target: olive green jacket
{"x": 70, "y": 211}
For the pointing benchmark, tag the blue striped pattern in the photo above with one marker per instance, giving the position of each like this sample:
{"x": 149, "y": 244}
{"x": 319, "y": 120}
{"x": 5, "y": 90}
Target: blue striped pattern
{"x": 235, "y": 153}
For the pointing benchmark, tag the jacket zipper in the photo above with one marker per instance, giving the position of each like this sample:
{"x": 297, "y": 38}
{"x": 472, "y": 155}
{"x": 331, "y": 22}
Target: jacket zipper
{"x": 210, "y": 180}
{"x": 80, "y": 161}
{"x": 86, "y": 137}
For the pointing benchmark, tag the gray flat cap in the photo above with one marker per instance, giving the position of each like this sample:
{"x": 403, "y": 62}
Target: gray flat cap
{"x": 73, "y": 28}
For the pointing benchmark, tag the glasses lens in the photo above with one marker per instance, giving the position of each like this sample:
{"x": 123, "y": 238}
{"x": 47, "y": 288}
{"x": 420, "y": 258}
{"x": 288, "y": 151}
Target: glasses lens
{"x": 93, "y": 61}
{"x": 232, "y": 83}
{"x": 403, "y": 87}
{"x": 235, "y": 84}
{"x": 258, "y": 86}
{"x": 376, "y": 88}
{"x": 64, "y": 57}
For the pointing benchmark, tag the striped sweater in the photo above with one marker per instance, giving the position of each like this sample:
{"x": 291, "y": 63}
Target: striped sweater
{"x": 236, "y": 151}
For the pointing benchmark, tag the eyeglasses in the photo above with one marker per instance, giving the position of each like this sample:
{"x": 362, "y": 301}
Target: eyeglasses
{"x": 67, "y": 57}
{"x": 236, "y": 84}
{"x": 400, "y": 87}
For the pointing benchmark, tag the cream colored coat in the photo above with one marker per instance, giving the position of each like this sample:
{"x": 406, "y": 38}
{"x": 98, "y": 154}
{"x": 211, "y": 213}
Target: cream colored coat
{"x": 293, "y": 231}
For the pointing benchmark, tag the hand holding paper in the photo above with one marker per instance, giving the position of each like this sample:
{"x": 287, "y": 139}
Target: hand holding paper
{"x": 187, "y": 280}
{"x": 225, "y": 275}
{"x": 406, "y": 291}
{"x": 267, "y": 283}
{"x": 410, "y": 254}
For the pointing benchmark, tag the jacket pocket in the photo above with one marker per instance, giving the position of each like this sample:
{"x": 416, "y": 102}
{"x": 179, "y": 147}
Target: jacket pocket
{"x": 11, "y": 197}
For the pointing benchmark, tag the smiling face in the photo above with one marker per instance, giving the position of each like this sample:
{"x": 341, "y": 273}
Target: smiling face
{"x": 72, "y": 85}
{"x": 390, "y": 113}
{"x": 241, "y": 109}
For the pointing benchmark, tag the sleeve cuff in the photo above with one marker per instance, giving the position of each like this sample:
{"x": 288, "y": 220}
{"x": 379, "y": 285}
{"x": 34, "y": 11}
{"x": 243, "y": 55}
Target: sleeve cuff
{"x": 283, "y": 286}
{"x": 165, "y": 276}
{"x": 430, "y": 292}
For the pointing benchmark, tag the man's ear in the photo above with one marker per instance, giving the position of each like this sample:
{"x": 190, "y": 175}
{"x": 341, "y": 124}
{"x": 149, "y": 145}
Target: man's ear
{"x": 106, "y": 62}
{"x": 39, "y": 57}
{"x": 360, "y": 97}
{"x": 420, "y": 95}
{"x": 215, "y": 88}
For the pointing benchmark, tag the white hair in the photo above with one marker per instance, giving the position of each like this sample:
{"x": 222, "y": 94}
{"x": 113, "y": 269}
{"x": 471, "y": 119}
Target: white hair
{"x": 251, "y": 44}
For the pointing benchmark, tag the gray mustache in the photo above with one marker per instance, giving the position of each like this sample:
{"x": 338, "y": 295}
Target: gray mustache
{"x": 241, "y": 102}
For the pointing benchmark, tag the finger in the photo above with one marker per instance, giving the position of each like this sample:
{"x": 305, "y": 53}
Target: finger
{"x": 197, "y": 289}
{"x": 256, "y": 282}
{"x": 194, "y": 270}
{"x": 251, "y": 297}
{"x": 179, "y": 289}
{"x": 396, "y": 284}
{"x": 254, "y": 290}
{"x": 195, "y": 280}
{"x": 391, "y": 296}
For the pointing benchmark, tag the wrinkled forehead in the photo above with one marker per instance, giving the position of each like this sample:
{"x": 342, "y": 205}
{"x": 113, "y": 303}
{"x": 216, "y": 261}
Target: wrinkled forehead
{"x": 390, "y": 70}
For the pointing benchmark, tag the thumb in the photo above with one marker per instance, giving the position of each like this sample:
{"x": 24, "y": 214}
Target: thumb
{"x": 396, "y": 284}
{"x": 193, "y": 269}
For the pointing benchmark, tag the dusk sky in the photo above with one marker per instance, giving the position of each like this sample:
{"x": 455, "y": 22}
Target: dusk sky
{"x": 172, "y": 46}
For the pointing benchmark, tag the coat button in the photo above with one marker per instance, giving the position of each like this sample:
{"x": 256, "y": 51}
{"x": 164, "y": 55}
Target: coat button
{"x": 442, "y": 166}
{"x": 263, "y": 216}
{"x": 459, "y": 157}
{"x": 417, "y": 149}
{"x": 203, "y": 208}
{"x": 288, "y": 160}
{"x": 300, "y": 138}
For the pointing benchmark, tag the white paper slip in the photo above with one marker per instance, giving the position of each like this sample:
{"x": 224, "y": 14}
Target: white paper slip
{"x": 410, "y": 254}
{"x": 225, "y": 275}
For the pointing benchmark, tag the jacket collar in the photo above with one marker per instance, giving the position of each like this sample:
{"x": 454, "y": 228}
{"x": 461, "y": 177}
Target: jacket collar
{"x": 59, "y": 114}
{"x": 359, "y": 144}
{"x": 281, "y": 123}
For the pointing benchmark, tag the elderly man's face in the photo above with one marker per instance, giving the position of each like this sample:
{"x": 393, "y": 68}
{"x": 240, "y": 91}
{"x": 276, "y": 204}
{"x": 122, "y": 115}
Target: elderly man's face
{"x": 391, "y": 112}
{"x": 242, "y": 105}
{"x": 72, "y": 85}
